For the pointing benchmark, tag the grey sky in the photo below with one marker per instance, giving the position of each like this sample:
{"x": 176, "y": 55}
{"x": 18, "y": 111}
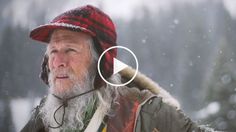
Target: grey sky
{"x": 22, "y": 13}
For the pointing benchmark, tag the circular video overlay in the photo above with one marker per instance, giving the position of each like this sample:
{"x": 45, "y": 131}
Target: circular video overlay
{"x": 118, "y": 65}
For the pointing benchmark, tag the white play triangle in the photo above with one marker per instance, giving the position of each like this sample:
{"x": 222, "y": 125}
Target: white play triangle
{"x": 118, "y": 66}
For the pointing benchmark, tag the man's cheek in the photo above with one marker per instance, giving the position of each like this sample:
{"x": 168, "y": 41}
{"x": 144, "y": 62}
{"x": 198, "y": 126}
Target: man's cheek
{"x": 50, "y": 64}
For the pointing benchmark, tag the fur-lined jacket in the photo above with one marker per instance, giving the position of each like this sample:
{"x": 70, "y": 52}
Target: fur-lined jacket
{"x": 143, "y": 107}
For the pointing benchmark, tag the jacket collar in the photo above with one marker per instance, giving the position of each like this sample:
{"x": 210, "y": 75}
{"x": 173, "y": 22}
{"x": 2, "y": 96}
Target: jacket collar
{"x": 144, "y": 83}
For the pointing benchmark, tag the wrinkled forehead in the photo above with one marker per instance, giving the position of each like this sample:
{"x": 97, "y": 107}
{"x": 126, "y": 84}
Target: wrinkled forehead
{"x": 68, "y": 37}
{"x": 64, "y": 34}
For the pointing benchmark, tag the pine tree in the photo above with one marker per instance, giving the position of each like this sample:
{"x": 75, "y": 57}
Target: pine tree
{"x": 221, "y": 88}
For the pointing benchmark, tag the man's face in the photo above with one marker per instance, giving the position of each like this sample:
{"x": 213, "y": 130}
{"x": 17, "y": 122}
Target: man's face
{"x": 69, "y": 54}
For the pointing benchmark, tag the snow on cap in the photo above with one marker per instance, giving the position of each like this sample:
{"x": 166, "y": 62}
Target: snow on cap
{"x": 87, "y": 19}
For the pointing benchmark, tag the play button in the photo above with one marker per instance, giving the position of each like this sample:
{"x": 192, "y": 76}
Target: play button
{"x": 118, "y": 66}
{"x": 127, "y": 60}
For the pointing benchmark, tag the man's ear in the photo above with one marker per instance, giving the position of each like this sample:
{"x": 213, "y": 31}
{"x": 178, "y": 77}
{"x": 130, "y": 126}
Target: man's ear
{"x": 45, "y": 70}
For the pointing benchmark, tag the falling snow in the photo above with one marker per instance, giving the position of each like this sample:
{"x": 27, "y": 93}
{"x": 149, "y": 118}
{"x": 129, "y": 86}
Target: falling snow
{"x": 190, "y": 63}
{"x": 211, "y": 108}
{"x": 176, "y": 21}
{"x": 226, "y": 79}
{"x": 220, "y": 51}
{"x": 144, "y": 41}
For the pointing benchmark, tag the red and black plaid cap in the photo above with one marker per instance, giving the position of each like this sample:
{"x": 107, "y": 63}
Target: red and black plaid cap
{"x": 87, "y": 19}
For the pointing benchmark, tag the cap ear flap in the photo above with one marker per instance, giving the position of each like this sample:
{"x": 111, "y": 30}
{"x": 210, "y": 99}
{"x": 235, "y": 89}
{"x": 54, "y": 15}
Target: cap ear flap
{"x": 44, "y": 70}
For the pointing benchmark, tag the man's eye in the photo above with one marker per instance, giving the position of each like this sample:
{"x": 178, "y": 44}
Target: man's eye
{"x": 70, "y": 50}
{"x": 53, "y": 51}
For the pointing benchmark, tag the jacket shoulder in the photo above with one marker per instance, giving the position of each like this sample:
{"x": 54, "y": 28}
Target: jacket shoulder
{"x": 142, "y": 82}
{"x": 35, "y": 124}
{"x": 157, "y": 115}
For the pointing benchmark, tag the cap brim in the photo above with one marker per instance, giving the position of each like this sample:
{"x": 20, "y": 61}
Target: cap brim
{"x": 43, "y": 32}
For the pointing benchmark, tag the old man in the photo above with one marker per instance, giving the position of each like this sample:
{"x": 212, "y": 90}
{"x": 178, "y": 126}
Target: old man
{"x": 79, "y": 100}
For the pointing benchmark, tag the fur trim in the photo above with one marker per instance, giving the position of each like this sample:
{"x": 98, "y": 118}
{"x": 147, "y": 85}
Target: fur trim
{"x": 143, "y": 82}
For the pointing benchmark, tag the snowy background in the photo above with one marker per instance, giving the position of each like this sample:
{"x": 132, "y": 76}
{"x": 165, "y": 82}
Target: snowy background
{"x": 188, "y": 47}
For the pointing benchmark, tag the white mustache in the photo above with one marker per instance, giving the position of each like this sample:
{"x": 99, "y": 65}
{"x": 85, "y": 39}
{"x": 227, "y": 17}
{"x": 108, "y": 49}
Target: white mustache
{"x": 62, "y": 73}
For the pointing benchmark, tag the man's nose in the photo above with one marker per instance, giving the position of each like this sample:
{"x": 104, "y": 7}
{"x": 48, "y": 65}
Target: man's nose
{"x": 60, "y": 60}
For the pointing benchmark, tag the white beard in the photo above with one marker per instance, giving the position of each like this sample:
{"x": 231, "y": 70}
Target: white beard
{"x": 74, "y": 112}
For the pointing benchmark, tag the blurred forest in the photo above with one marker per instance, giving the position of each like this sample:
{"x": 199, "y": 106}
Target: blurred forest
{"x": 189, "y": 50}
